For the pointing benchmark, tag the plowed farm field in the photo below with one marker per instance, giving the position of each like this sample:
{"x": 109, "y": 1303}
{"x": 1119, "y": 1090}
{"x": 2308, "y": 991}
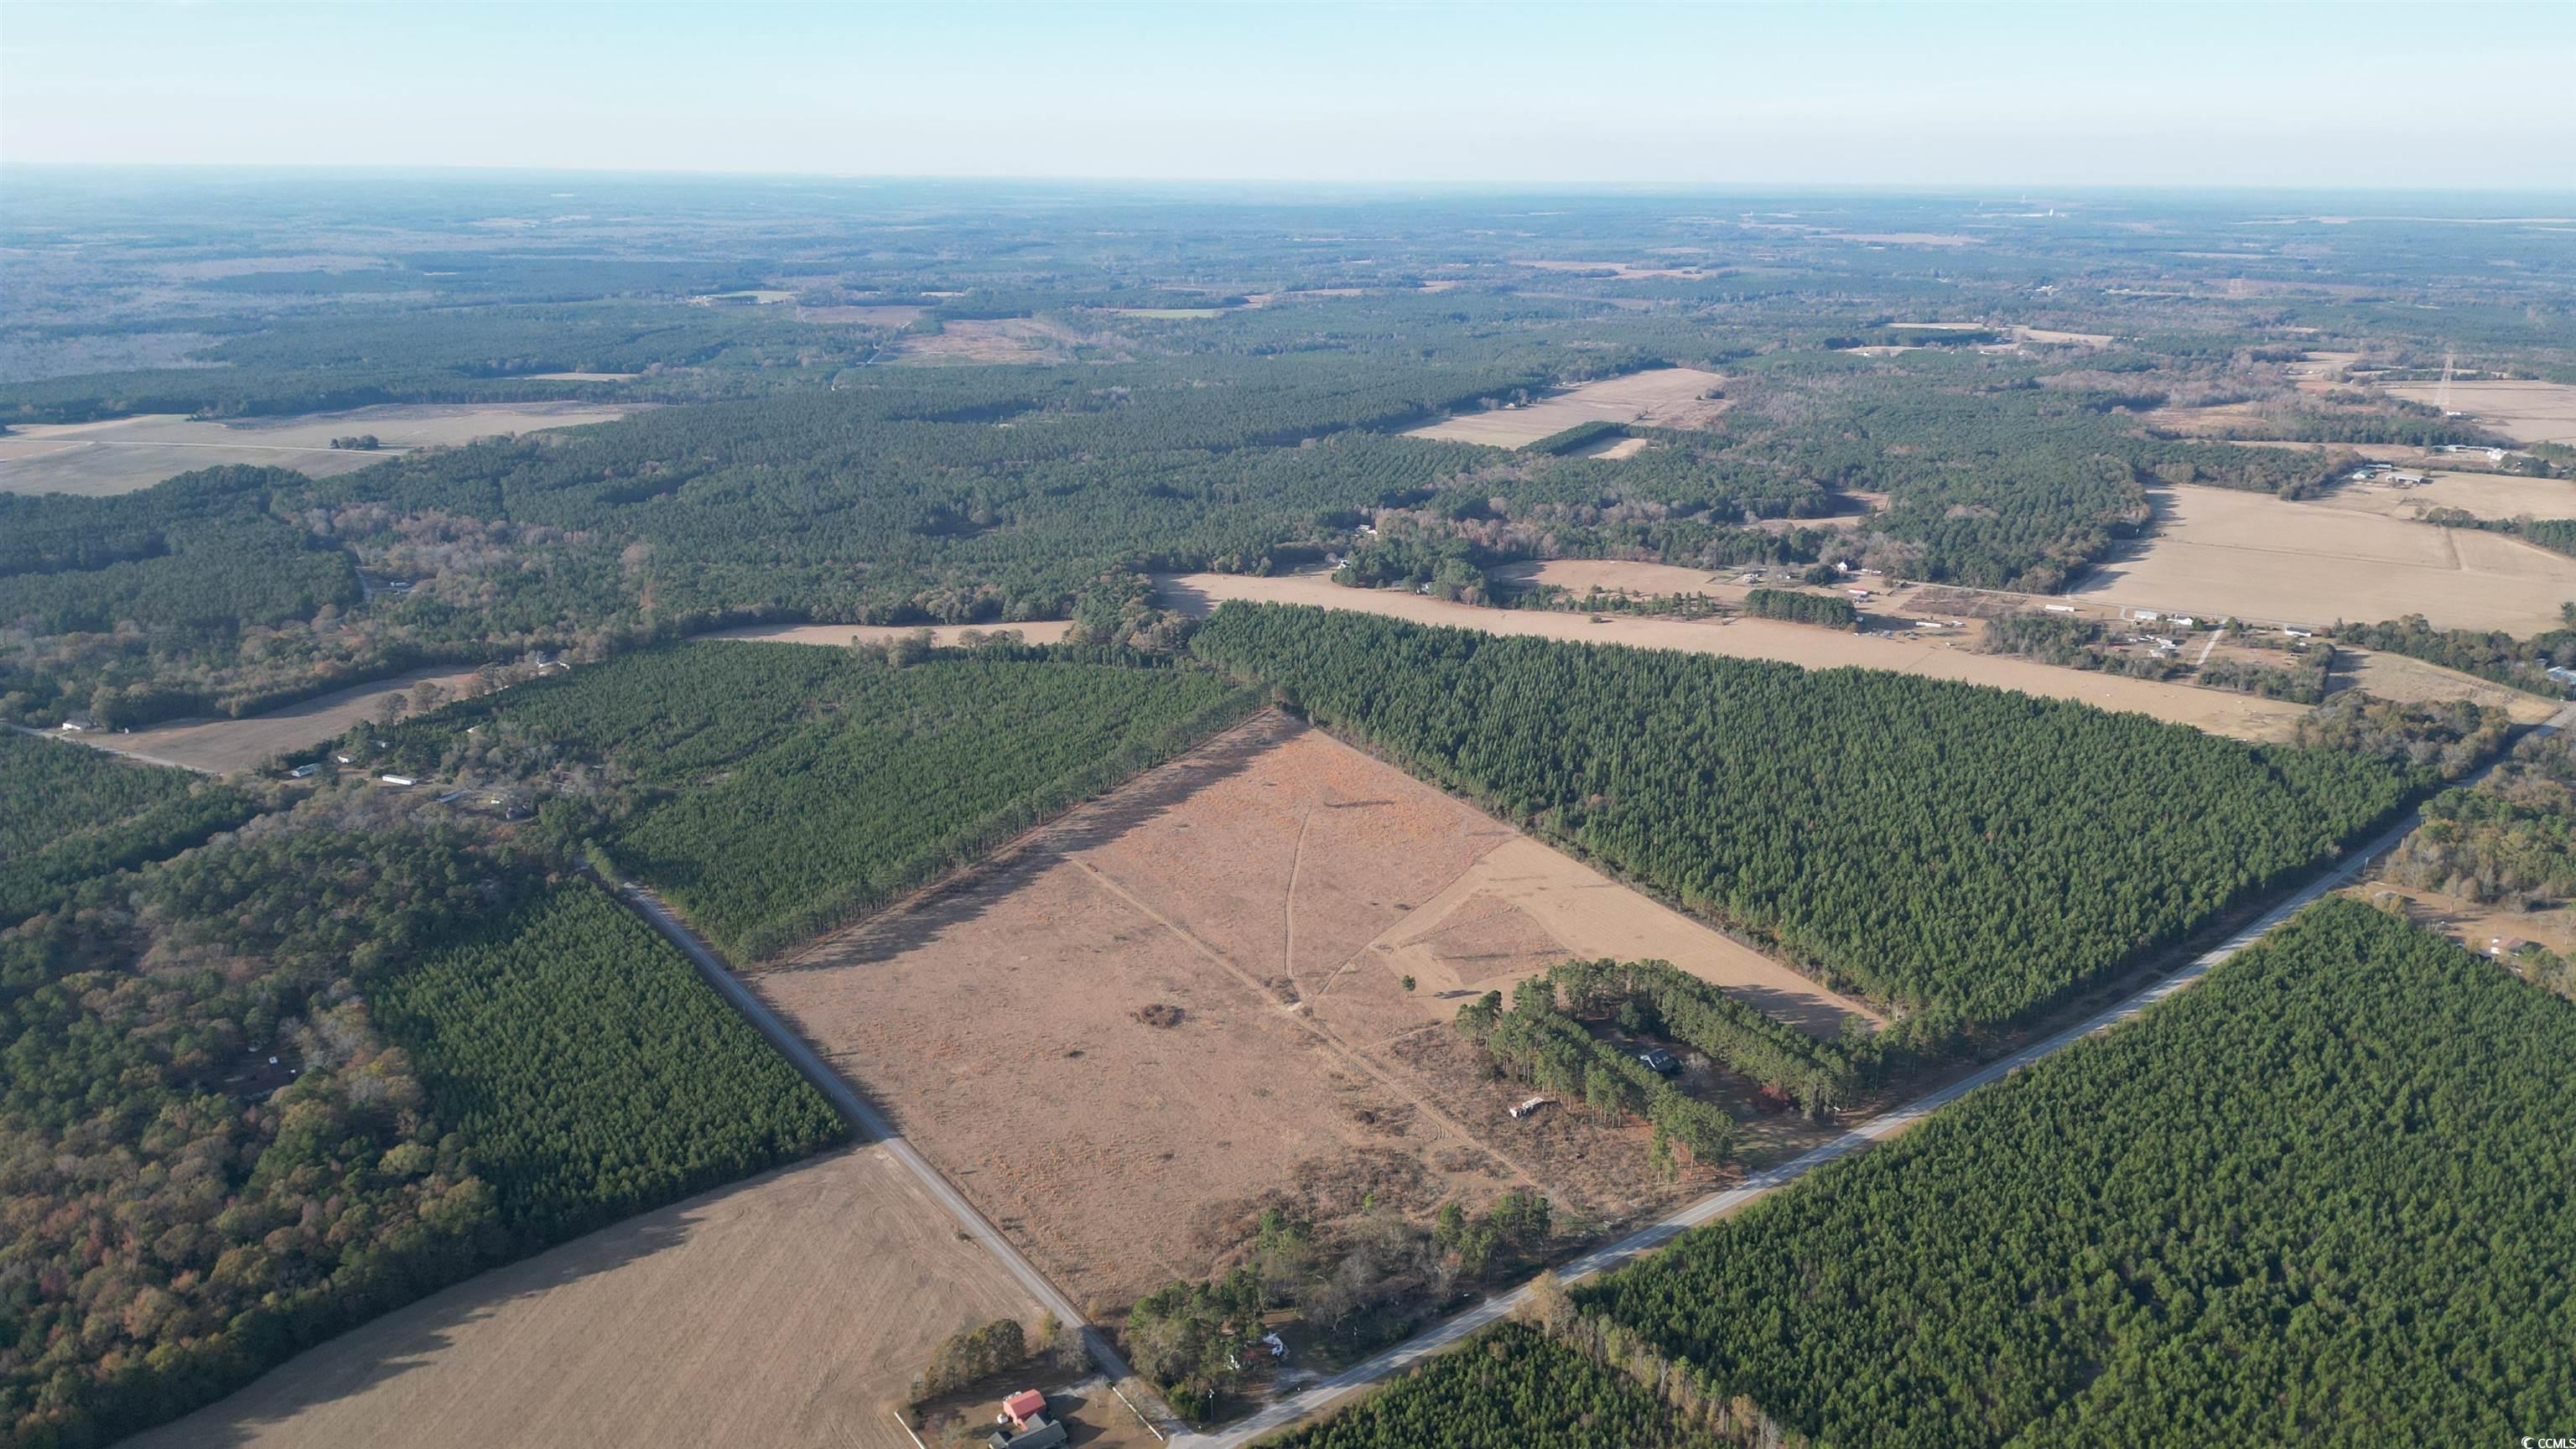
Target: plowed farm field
{"x": 1188, "y": 1001}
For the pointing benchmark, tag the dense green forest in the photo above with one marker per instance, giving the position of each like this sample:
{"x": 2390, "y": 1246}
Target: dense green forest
{"x": 780, "y": 790}
{"x": 1961, "y": 852}
{"x": 593, "y": 1072}
{"x": 2316, "y": 1199}
{"x": 70, "y": 814}
{"x": 1509, "y": 1388}
{"x": 1799, "y": 607}
{"x": 224, "y": 1148}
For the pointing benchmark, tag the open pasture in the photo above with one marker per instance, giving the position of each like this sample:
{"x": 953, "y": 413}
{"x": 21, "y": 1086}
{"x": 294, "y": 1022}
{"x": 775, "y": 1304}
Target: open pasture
{"x": 2488, "y": 495}
{"x": 2398, "y": 677}
{"x": 123, "y": 454}
{"x": 1668, "y": 397}
{"x": 2527, "y": 412}
{"x": 1275, "y": 887}
{"x": 810, "y": 1298}
{"x": 2240, "y": 715}
{"x": 2260, "y": 558}
{"x": 221, "y": 746}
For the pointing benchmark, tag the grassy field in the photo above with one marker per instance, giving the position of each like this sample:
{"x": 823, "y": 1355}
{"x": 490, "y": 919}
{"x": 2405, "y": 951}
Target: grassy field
{"x": 124, "y": 454}
{"x": 1671, "y": 397}
{"x": 810, "y": 1297}
{"x": 2221, "y": 552}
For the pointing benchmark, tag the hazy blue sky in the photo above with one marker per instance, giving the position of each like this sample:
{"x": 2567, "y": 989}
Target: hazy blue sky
{"x": 2408, "y": 95}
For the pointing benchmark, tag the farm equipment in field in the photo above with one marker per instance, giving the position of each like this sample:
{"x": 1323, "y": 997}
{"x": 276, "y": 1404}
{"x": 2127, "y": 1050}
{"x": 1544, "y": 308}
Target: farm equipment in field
{"x": 1532, "y": 1105}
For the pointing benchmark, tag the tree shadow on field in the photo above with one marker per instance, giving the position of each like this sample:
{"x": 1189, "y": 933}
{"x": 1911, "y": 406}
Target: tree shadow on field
{"x": 1171, "y": 592}
{"x": 414, "y": 1337}
{"x": 968, "y": 895}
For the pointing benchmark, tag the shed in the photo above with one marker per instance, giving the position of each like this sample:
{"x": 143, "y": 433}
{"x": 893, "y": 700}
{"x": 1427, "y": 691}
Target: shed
{"x": 1656, "y": 1059}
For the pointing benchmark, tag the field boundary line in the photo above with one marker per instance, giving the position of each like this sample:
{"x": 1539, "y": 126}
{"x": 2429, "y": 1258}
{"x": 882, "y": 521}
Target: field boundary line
{"x": 1286, "y": 1412}
{"x": 907, "y": 1430}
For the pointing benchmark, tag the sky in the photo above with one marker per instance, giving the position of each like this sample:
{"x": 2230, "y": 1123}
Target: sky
{"x": 2409, "y": 96}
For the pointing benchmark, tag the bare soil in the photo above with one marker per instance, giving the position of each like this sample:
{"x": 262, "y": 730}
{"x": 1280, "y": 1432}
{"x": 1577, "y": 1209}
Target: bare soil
{"x": 790, "y": 1310}
{"x": 1021, "y": 1027}
{"x": 1668, "y": 397}
{"x": 123, "y": 454}
{"x": 2259, "y": 558}
{"x": 1950, "y": 657}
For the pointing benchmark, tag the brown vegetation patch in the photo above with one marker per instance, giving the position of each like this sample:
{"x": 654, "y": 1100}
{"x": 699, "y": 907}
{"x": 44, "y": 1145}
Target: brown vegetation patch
{"x": 1159, "y": 1014}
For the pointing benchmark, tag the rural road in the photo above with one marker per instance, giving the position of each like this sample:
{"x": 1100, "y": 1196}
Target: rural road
{"x": 1321, "y": 1394}
{"x": 855, "y": 1108}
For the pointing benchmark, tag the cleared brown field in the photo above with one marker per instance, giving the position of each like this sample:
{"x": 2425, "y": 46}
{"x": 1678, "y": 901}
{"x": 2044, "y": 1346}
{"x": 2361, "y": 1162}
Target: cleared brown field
{"x": 2063, "y": 339}
{"x": 789, "y": 1310}
{"x": 2254, "y": 556}
{"x": 123, "y": 454}
{"x": 1668, "y": 397}
{"x": 1620, "y": 271}
{"x": 2395, "y": 676}
{"x": 221, "y": 746}
{"x": 1043, "y": 631}
{"x": 2242, "y": 716}
{"x": 1274, "y": 887}
{"x": 2527, "y": 412}
{"x": 1008, "y": 339}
